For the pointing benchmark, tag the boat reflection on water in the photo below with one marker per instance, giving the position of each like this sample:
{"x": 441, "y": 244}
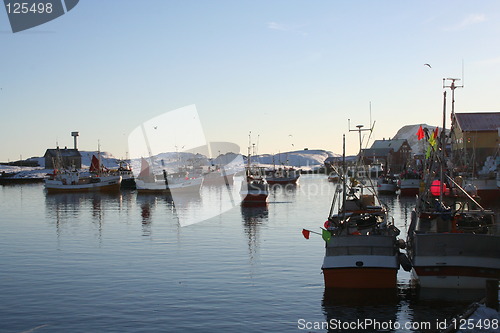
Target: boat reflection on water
{"x": 147, "y": 202}
{"x": 360, "y": 297}
{"x": 67, "y": 208}
{"x": 402, "y": 309}
{"x": 442, "y": 305}
{"x": 450, "y": 295}
{"x": 73, "y": 204}
{"x": 253, "y": 218}
{"x": 254, "y": 215}
{"x": 360, "y": 310}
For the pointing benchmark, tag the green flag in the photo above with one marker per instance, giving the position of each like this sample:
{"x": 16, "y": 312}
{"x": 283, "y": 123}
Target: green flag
{"x": 428, "y": 152}
{"x": 326, "y": 235}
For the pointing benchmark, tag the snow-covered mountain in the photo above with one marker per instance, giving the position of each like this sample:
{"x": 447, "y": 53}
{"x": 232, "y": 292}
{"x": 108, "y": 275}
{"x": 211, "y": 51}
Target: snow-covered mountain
{"x": 304, "y": 159}
{"x": 409, "y": 132}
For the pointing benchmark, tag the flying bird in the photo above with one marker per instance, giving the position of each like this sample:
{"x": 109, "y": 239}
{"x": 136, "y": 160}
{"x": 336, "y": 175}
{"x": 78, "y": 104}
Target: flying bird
{"x": 428, "y": 65}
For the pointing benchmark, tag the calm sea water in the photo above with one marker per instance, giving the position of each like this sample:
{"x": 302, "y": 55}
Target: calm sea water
{"x": 124, "y": 263}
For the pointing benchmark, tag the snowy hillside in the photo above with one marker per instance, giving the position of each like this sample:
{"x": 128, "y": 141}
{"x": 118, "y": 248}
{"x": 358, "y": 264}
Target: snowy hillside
{"x": 304, "y": 159}
{"x": 107, "y": 159}
{"x": 409, "y": 132}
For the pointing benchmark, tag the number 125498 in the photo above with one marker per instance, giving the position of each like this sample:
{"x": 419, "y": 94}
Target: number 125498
{"x": 24, "y": 8}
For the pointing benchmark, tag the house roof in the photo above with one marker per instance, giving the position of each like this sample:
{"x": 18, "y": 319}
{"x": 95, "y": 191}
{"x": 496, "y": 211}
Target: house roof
{"x": 63, "y": 152}
{"x": 379, "y": 152}
{"x": 394, "y": 144}
{"x": 478, "y": 121}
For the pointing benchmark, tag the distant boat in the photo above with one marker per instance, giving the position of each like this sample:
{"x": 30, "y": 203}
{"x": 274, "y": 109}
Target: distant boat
{"x": 409, "y": 183}
{"x": 333, "y": 177}
{"x": 485, "y": 188}
{"x": 387, "y": 185}
{"x": 124, "y": 170}
{"x": 11, "y": 178}
{"x": 254, "y": 189}
{"x": 76, "y": 181}
{"x": 98, "y": 179}
{"x": 180, "y": 181}
{"x": 219, "y": 176}
{"x": 376, "y": 170}
{"x": 283, "y": 176}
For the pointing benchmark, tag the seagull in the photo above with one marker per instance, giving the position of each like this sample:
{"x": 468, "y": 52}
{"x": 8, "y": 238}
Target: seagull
{"x": 428, "y": 65}
{"x": 155, "y": 127}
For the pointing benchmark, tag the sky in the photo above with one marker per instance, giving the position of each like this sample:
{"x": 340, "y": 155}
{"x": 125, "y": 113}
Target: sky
{"x": 290, "y": 72}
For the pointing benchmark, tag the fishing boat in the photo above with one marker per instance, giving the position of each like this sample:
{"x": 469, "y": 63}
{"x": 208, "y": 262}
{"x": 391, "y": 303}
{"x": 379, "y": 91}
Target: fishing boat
{"x": 72, "y": 180}
{"x": 254, "y": 188}
{"x": 283, "y": 176}
{"x": 14, "y": 178}
{"x": 77, "y": 181}
{"x": 387, "y": 184}
{"x": 484, "y": 187}
{"x": 124, "y": 170}
{"x": 180, "y": 181}
{"x": 362, "y": 249}
{"x": 409, "y": 183}
{"x": 218, "y": 176}
{"x": 453, "y": 242}
{"x": 333, "y": 177}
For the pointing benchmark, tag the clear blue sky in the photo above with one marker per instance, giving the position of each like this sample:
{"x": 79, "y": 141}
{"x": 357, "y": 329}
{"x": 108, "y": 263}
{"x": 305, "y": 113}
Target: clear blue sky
{"x": 276, "y": 68}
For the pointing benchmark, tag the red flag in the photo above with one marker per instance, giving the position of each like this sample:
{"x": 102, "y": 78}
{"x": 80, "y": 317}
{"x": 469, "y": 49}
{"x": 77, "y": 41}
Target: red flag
{"x": 306, "y": 233}
{"x": 94, "y": 165}
{"x": 436, "y": 132}
{"x": 420, "y": 133}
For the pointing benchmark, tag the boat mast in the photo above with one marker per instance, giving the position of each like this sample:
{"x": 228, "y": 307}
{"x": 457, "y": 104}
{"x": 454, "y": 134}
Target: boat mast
{"x": 361, "y": 129}
{"x": 248, "y": 154}
{"x": 452, "y": 87}
{"x": 344, "y": 172}
{"x": 443, "y": 145}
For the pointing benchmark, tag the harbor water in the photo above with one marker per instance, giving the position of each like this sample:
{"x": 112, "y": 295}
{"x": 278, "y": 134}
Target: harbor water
{"x": 125, "y": 262}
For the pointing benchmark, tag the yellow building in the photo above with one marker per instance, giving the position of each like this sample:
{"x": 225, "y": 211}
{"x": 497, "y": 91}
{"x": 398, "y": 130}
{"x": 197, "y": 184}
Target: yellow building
{"x": 474, "y": 137}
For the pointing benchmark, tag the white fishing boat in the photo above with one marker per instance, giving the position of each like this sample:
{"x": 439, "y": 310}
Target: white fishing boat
{"x": 76, "y": 181}
{"x": 387, "y": 185}
{"x": 179, "y": 182}
{"x": 96, "y": 179}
